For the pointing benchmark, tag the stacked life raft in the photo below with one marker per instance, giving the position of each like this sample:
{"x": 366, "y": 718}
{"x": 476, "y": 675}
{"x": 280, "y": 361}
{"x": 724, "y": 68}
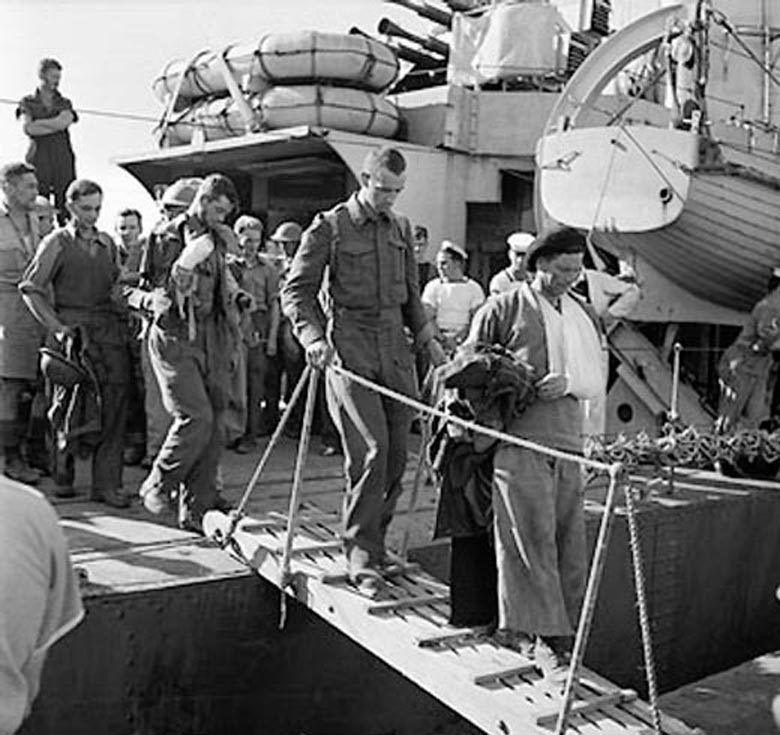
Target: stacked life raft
{"x": 285, "y": 80}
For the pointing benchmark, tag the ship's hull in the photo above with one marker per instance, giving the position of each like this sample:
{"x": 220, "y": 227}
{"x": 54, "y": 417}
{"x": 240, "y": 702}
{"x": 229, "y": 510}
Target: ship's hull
{"x": 714, "y": 231}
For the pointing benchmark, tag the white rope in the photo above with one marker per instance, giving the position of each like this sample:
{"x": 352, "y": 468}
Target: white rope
{"x": 470, "y": 425}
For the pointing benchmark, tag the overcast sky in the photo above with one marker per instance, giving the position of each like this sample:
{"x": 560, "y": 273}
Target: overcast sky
{"x": 111, "y": 50}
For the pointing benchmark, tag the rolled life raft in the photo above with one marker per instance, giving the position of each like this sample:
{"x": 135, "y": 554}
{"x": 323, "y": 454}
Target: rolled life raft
{"x": 302, "y": 64}
{"x": 353, "y": 110}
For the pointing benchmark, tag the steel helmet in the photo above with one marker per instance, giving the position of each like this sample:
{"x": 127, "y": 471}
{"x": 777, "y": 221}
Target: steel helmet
{"x": 287, "y": 232}
{"x": 181, "y": 192}
{"x": 59, "y": 369}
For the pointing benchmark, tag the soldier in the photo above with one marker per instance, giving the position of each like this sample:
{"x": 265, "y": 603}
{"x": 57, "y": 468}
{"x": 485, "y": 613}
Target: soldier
{"x": 191, "y": 342}
{"x": 374, "y": 295}
{"x": 70, "y": 287}
{"x": 22, "y": 336}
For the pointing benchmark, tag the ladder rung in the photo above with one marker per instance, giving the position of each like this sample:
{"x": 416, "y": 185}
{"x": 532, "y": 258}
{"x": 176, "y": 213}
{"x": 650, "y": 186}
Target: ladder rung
{"x": 310, "y": 548}
{"x": 309, "y": 517}
{"x": 483, "y": 679}
{"x": 393, "y": 571}
{"x": 619, "y": 696}
{"x": 462, "y": 638}
{"x": 380, "y": 608}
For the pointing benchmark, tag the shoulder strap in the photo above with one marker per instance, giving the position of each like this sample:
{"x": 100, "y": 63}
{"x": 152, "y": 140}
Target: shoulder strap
{"x": 332, "y": 217}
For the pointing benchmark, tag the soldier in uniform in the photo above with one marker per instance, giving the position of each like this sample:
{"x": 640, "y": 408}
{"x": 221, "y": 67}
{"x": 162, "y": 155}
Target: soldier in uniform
{"x": 374, "y": 296}
{"x": 71, "y": 288}
{"x": 191, "y": 342}
{"x": 22, "y": 335}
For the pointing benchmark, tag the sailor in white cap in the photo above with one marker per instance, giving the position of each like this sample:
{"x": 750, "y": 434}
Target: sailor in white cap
{"x": 514, "y": 274}
{"x": 451, "y": 299}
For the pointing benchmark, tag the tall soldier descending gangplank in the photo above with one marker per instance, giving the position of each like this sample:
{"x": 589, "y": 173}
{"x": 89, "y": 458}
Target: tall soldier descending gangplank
{"x": 374, "y": 294}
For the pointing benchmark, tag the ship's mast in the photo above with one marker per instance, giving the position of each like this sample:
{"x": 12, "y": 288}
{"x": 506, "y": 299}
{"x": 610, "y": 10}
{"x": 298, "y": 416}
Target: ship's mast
{"x": 769, "y": 35}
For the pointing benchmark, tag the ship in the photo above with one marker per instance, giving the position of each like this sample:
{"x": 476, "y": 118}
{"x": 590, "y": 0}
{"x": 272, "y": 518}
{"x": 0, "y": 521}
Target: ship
{"x": 677, "y": 171}
{"x": 468, "y": 124}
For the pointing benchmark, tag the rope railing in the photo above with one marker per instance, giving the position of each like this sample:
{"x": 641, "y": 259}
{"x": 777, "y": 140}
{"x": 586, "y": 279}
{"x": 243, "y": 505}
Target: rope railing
{"x": 615, "y": 470}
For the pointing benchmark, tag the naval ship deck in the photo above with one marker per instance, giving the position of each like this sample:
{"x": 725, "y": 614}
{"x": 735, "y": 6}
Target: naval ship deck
{"x": 171, "y": 640}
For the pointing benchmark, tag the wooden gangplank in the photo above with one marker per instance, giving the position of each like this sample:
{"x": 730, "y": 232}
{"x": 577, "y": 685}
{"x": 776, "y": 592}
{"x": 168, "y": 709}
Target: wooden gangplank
{"x": 497, "y": 689}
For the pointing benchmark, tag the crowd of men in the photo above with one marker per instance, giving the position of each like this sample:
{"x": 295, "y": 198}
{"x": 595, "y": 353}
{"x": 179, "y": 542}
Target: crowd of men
{"x": 200, "y": 321}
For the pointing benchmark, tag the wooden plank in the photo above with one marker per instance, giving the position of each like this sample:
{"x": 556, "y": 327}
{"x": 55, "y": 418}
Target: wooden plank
{"x": 458, "y": 638}
{"x": 343, "y": 577}
{"x": 382, "y": 608}
{"x": 510, "y": 708}
{"x": 493, "y": 676}
{"x": 315, "y": 548}
{"x": 582, "y": 707}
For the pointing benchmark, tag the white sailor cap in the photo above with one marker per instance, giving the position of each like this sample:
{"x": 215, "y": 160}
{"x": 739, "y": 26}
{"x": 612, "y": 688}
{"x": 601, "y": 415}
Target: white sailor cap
{"x": 519, "y": 242}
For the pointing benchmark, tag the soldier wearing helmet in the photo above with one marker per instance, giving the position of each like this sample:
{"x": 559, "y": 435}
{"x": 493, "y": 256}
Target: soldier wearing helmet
{"x": 190, "y": 303}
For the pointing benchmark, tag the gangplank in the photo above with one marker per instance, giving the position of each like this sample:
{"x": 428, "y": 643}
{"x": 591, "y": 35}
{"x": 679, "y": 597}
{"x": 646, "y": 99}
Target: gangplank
{"x": 497, "y": 689}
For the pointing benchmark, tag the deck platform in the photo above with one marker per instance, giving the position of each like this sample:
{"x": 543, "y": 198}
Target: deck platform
{"x": 710, "y": 548}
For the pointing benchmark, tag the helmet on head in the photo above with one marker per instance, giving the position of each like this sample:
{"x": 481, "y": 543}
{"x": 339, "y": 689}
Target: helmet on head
{"x": 288, "y": 232}
{"x": 181, "y": 192}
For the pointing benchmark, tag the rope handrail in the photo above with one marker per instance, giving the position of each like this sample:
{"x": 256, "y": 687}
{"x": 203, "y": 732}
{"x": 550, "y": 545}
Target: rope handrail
{"x": 469, "y": 425}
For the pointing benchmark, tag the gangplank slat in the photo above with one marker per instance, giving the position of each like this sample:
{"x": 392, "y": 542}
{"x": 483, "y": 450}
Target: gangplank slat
{"x": 493, "y": 676}
{"x": 458, "y": 638}
{"x": 382, "y": 608}
{"x": 511, "y": 708}
{"x": 582, "y": 707}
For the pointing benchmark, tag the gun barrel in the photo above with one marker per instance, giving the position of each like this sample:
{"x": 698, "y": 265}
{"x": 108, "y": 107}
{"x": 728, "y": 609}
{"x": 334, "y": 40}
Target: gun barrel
{"x": 388, "y": 28}
{"x": 424, "y": 10}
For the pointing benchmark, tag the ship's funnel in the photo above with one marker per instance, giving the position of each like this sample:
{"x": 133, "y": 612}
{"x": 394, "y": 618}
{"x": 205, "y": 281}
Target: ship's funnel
{"x": 424, "y": 10}
{"x": 387, "y": 28}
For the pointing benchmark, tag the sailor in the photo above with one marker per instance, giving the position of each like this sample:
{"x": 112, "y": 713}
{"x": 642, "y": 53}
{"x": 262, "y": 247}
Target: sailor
{"x": 191, "y": 344}
{"x": 750, "y": 367}
{"x": 451, "y": 299}
{"x": 71, "y": 288}
{"x": 21, "y": 334}
{"x": 374, "y": 295}
{"x": 514, "y": 274}
{"x": 539, "y": 524}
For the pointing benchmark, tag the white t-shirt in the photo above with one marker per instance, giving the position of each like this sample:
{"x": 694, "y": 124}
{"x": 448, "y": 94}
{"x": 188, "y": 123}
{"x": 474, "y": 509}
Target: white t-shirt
{"x": 503, "y": 281}
{"x": 453, "y": 302}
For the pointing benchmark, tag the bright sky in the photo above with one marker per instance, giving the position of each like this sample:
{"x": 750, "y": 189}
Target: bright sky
{"x": 111, "y": 50}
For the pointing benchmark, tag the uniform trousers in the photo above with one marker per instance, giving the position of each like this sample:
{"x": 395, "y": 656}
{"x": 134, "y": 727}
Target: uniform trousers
{"x": 188, "y": 459}
{"x": 158, "y": 420}
{"x": 374, "y": 431}
{"x": 540, "y": 541}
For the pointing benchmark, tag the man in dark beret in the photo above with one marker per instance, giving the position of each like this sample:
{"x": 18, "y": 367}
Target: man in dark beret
{"x": 539, "y": 522}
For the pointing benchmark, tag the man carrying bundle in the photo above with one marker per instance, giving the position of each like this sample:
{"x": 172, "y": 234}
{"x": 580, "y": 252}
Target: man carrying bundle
{"x": 374, "y": 294}
{"x": 539, "y": 523}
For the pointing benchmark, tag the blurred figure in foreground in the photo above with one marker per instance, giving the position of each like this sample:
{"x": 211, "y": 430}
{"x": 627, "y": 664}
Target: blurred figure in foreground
{"x": 41, "y": 601}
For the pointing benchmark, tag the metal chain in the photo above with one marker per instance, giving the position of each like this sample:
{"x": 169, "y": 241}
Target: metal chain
{"x": 641, "y": 600}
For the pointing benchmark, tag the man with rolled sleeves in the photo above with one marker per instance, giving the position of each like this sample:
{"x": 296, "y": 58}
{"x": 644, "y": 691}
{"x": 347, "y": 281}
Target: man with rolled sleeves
{"x": 191, "y": 343}
{"x": 374, "y": 295}
{"x": 21, "y": 334}
{"x": 71, "y": 287}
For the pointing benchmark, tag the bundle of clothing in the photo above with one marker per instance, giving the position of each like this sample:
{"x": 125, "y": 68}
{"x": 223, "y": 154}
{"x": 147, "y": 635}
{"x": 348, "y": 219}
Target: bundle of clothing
{"x": 488, "y": 386}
